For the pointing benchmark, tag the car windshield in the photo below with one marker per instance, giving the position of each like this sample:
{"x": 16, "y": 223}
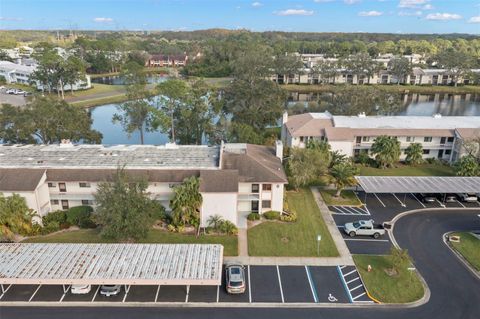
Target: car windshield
{"x": 235, "y": 271}
{"x": 356, "y": 224}
{"x": 236, "y": 283}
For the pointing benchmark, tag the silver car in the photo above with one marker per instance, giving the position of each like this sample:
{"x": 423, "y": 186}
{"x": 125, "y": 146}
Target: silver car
{"x": 110, "y": 290}
{"x": 235, "y": 279}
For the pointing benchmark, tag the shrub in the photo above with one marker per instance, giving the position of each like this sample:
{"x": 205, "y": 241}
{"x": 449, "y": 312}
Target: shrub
{"x": 171, "y": 228}
{"x": 289, "y": 217}
{"x": 51, "y": 227}
{"x": 362, "y": 158}
{"x": 227, "y": 227}
{"x": 271, "y": 214}
{"x": 55, "y": 221}
{"x": 180, "y": 228}
{"x": 253, "y": 216}
{"x": 80, "y": 216}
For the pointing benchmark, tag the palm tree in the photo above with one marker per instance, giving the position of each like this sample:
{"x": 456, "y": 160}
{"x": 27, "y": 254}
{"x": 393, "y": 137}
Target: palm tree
{"x": 214, "y": 221}
{"x": 343, "y": 175}
{"x": 386, "y": 150}
{"x": 414, "y": 154}
{"x": 186, "y": 203}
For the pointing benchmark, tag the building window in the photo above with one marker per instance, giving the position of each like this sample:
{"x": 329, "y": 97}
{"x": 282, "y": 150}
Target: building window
{"x": 254, "y": 205}
{"x": 366, "y": 139}
{"x": 87, "y": 202}
{"x": 84, "y": 185}
{"x": 266, "y": 187}
{"x": 62, "y": 187}
{"x": 52, "y": 185}
{"x": 450, "y": 139}
{"x": 410, "y": 138}
{"x": 266, "y": 204}
{"x": 425, "y": 152}
{"x": 427, "y": 139}
{"x": 54, "y": 201}
{"x": 65, "y": 204}
{"x": 301, "y": 139}
{"x": 255, "y": 188}
{"x": 448, "y": 152}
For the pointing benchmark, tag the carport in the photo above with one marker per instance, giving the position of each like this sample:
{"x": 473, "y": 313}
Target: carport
{"x": 418, "y": 184}
{"x": 115, "y": 264}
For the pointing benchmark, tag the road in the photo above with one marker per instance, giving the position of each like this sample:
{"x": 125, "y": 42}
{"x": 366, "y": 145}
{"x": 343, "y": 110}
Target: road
{"x": 455, "y": 292}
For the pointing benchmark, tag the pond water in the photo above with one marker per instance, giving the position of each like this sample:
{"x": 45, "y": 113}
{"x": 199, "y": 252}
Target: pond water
{"x": 120, "y": 80}
{"x": 413, "y": 104}
{"x": 420, "y": 104}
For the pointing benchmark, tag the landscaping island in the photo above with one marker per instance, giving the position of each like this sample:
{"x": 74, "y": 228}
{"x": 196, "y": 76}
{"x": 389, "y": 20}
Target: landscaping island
{"x": 468, "y": 247}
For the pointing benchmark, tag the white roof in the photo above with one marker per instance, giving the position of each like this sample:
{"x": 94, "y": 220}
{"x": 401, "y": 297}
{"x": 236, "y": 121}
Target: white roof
{"x": 122, "y": 264}
{"x": 408, "y": 122}
{"x": 419, "y": 184}
{"x": 10, "y": 66}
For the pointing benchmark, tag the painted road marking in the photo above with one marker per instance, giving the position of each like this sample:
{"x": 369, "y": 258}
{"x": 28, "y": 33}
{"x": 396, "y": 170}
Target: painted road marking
{"x": 418, "y": 200}
{"x": 218, "y": 293}
{"x": 355, "y": 287}
{"x": 158, "y": 291}
{"x": 312, "y": 286}
{"x": 96, "y": 292}
{"x": 349, "y": 273}
{"x": 344, "y": 283}
{"x": 350, "y": 210}
{"x": 379, "y": 200}
{"x": 64, "y": 294}
{"x": 460, "y": 203}
{"x": 356, "y": 278}
{"x": 280, "y": 283}
{"x": 441, "y": 205}
{"x": 359, "y": 295}
{"x": 5, "y": 291}
{"x": 354, "y": 281}
{"x": 249, "y": 286}
{"x": 401, "y": 203}
{"x": 34, "y": 293}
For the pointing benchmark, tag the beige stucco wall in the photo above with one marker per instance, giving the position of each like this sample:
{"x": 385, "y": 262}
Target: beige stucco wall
{"x": 223, "y": 204}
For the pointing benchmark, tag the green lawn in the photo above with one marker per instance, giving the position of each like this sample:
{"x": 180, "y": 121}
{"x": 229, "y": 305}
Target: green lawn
{"x": 229, "y": 243}
{"x": 293, "y": 239}
{"x": 406, "y": 170}
{"x": 469, "y": 248}
{"x": 347, "y": 197}
{"x": 402, "y": 288}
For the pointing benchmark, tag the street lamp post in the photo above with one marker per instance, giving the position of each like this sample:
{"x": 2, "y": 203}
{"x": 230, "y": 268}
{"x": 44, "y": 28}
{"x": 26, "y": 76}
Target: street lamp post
{"x": 319, "y": 238}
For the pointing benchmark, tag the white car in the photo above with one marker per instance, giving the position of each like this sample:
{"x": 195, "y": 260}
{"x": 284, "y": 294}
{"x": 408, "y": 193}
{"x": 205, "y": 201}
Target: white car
{"x": 470, "y": 198}
{"x": 364, "y": 228}
{"x": 110, "y": 290}
{"x": 80, "y": 289}
{"x": 19, "y": 92}
{"x": 10, "y": 91}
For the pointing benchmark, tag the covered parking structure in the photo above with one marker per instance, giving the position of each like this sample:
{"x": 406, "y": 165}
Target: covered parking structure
{"x": 118, "y": 264}
{"x": 418, "y": 184}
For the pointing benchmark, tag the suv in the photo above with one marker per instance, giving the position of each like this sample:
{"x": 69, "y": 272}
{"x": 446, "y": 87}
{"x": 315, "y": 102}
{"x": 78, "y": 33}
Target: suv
{"x": 235, "y": 279}
{"x": 110, "y": 290}
{"x": 470, "y": 198}
{"x": 427, "y": 198}
{"x": 80, "y": 289}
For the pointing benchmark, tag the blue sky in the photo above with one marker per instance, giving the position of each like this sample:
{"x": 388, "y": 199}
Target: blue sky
{"x": 395, "y": 16}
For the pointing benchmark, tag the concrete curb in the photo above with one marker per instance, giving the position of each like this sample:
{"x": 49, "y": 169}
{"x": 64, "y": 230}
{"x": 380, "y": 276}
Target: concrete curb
{"x": 459, "y": 256}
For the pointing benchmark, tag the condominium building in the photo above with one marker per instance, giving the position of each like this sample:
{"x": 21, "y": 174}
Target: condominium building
{"x": 441, "y": 137}
{"x": 235, "y": 179}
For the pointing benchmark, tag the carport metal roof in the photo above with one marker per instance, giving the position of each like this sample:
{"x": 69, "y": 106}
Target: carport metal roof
{"x": 419, "y": 184}
{"x": 121, "y": 264}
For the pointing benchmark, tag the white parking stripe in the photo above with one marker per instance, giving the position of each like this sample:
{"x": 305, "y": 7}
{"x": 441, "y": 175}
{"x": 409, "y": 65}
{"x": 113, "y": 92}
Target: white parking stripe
{"x": 64, "y": 294}
{"x": 34, "y": 293}
{"x": 345, "y": 275}
{"x": 249, "y": 286}
{"x": 341, "y": 267}
{"x": 441, "y": 205}
{"x": 401, "y": 203}
{"x": 158, "y": 291}
{"x": 356, "y": 287}
{"x": 218, "y": 293}
{"x": 365, "y": 239}
{"x": 460, "y": 203}
{"x": 379, "y": 200}
{"x": 356, "y": 278}
{"x": 351, "y": 210}
{"x": 315, "y": 298}
{"x": 418, "y": 200}
{"x": 5, "y": 291}
{"x": 96, "y": 292}
{"x": 280, "y": 283}
{"x": 359, "y": 295}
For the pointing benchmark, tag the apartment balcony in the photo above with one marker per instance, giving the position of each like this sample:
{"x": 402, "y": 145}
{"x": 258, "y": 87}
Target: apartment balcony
{"x": 248, "y": 197}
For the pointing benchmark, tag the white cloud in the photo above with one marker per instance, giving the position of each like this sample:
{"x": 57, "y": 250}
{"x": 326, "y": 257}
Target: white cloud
{"x": 410, "y": 13}
{"x": 103, "y": 20}
{"x": 10, "y": 19}
{"x": 474, "y": 19}
{"x": 257, "y": 4}
{"x": 322, "y": 1}
{"x": 427, "y": 7}
{"x": 370, "y": 13}
{"x": 412, "y": 3}
{"x": 294, "y": 12}
{"x": 351, "y": 1}
{"x": 443, "y": 16}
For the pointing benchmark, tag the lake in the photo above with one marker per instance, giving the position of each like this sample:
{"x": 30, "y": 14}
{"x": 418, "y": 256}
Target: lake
{"x": 120, "y": 80}
{"x": 413, "y": 104}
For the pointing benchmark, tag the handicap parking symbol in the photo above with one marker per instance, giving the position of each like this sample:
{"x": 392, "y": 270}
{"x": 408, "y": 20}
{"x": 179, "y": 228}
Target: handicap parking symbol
{"x": 332, "y": 298}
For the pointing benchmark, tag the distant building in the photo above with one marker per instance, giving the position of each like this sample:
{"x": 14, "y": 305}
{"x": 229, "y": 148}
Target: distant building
{"x": 441, "y": 137}
{"x": 19, "y": 73}
{"x": 235, "y": 179}
{"x": 161, "y": 60}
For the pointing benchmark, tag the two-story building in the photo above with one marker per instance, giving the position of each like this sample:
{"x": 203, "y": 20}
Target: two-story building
{"x": 440, "y": 137}
{"x": 235, "y": 179}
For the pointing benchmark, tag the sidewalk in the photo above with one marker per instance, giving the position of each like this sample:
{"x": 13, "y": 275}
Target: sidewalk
{"x": 344, "y": 259}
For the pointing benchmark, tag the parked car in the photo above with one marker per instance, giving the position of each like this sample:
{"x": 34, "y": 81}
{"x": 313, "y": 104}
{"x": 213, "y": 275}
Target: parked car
{"x": 10, "y": 91}
{"x": 19, "y": 92}
{"x": 470, "y": 198}
{"x": 427, "y": 198}
{"x": 449, "y": 198}
{"x": 110, "y": 290}
{"x": 364, "y": 228}
{"x": 80, "y": 289}
{"x": 235, "y": 279}
{"x": 27, "y": 94}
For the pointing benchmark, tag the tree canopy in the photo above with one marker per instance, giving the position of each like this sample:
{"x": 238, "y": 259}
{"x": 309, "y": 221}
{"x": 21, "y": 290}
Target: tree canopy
{"x": 386, "y": 150}
{"x": 15, "y": 216}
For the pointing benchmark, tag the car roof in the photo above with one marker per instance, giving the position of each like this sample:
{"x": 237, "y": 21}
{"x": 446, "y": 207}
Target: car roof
{"x": 235, "y": 272}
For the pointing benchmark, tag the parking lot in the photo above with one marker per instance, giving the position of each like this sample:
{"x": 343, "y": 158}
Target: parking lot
{"x": 15, "y": 100}
{"x": 382, "y": 208}
{"x": 265, "y": 284}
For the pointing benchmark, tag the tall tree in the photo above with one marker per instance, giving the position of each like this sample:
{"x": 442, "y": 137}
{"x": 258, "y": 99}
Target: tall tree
{"x": 306, "y": 165}
{"x": 124, "y": 210}
{"x": 414, "y": 154}
{"x": 457, "y": 63}
{"x": 361, "y": 65}
{"x": 186, "y": 203}
{"x": 50, "y": 71}
{"x": 386, "y": 150}
{"x": 137, "y": 114}
{"x": 343, "y": 175}
{"x": 15, "y": 216}
{"x": 74, "y": 71}
{"x": 467, "y": 166}
{"x": 400, "y": 68}
{"x": 287, "y": 64}
{"x": 173, "y": 97}
{"x": 327, "y": 70}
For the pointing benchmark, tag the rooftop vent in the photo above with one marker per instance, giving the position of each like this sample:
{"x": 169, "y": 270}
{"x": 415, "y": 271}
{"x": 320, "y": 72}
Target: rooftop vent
{"x": 65, "y": 143}
{"x": 362, "y": 115}
{"x": 171, "y": 146}
{"x": 437, "y": 116}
